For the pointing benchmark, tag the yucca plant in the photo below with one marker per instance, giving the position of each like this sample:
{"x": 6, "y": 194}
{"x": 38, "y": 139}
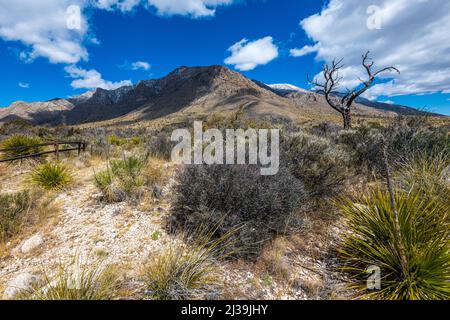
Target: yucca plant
{"x": 121, "y": 178}
{"x": 22, "y": 145}
{"x": 51, "y": 176}
{"x": 105, "y": 181}
{"x": 187, "y": 270}
{"x": 371, "y": 240}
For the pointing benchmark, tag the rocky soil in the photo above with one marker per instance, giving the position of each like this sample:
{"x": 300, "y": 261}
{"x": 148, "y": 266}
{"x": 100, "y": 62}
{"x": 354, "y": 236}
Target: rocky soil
{"x": 127, "y": 235}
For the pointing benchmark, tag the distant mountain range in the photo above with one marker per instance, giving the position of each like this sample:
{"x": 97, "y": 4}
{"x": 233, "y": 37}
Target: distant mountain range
{"x": 192, "y": 90}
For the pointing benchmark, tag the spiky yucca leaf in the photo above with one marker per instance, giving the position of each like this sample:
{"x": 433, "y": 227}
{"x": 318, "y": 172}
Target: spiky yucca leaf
{"x": 51, "y": 176}
{"x": 370, "y": 241}
{"x": 22, "y": 145}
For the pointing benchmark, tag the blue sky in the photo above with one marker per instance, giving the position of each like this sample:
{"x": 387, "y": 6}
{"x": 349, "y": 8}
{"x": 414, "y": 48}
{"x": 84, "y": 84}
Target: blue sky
{"x": 48, "y": 61}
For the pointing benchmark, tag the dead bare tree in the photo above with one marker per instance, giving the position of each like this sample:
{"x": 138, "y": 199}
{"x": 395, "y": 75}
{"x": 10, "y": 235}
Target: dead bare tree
{"x": 343, "y": 103}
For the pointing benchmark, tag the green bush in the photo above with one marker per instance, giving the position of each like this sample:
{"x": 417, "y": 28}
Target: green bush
{"x": 319, "y": 164}
{"x": 116, "y": 141}
{"x": 263, "y": 205}
{"x": 123, "y": 178}
{"x": 51, "y": 176}
{"x": 370, "y": 240}
{"x": 13, "y": 209}
{"x": 25, "y": 143}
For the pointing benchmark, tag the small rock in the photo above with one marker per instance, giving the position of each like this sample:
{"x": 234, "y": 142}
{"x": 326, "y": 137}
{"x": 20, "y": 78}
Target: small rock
{"x": 22, "y": 282}
{"x": 32, "y": 243}
{"x": 157, "y": 192}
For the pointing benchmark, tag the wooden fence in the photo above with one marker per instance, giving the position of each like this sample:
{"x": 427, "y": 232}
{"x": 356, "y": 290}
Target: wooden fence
{"x": 79, "y": 146}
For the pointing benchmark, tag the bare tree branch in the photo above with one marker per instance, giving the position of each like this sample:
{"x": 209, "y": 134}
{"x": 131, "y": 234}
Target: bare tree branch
{"x": 330, "y": 88}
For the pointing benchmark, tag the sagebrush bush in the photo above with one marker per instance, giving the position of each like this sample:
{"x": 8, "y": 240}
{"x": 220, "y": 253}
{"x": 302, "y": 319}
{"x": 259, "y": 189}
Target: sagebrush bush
{"x": 263, "y": 205}
{"x": 403, "y": 139}
{"x": 51, "y": 176}
{"x": 322, "y": 166}
{"x": 160, "y": 146}
{"x": 370, "y": 240}
{"x": 26, "y": 145}
{"x": 364, "y": 146}
{"x": 13, "y": 209}
{"x": 187, "y": 270}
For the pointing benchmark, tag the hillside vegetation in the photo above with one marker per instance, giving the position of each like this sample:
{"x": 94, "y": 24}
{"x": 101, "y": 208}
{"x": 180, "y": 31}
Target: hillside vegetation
{"x": 124, "y": 222}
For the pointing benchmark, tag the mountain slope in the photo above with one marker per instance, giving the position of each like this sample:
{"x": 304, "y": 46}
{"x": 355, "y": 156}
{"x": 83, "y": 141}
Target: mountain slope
{"x": 190, "y": 90}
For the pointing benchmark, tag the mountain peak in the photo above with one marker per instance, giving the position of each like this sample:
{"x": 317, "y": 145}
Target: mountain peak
{"x": 286, "y": 88}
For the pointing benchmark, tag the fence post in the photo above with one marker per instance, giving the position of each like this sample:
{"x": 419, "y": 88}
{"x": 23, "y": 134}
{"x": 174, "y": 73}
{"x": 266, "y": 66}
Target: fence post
{"x": 79, "y": 148}
{"x": 57, "y": 151}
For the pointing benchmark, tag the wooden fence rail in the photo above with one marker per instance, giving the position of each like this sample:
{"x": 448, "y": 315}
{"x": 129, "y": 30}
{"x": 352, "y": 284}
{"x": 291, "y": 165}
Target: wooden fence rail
{"x": 80, "y": 147}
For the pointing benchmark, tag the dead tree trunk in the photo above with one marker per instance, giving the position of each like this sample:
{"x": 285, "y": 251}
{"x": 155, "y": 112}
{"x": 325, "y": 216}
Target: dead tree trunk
{"x": 343, "y": 103}
{"x": 347, "y": 120}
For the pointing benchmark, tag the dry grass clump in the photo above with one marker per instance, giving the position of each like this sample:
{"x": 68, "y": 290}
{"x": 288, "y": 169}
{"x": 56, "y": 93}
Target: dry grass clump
{"x": 275, "y": 260}
{"x": 131, "y": 177}
{"x": 426, "y": 172}
{"x": 187, "y": 270}
{"x": 78, "y": 282}
{"x": 23, "y": 210}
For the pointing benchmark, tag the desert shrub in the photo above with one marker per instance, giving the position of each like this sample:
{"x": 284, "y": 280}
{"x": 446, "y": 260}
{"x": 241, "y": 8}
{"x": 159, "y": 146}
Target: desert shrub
{"x": 403, "y": 139}
{"x": 263, "y": 205}
{"x": 370, "y": 241}
{"x": 116, "y": 141}
{"x": 80, "y": 282}
{"x": 24, "y": 143}
{"x": 106, "y": 182}
{"x": 123, "y": 178}
{"x": 187, "y": 270}
{"x": 319, "y": 164}
{"x": 364, "y": 146}
{"x": 51, "y": 176}
{"x": 275, "y": 260}
{"x": 325, "y": 129}
{"x": 429, "y": 173}
{"x": 13, "y": 209}
{"x": 160, "y": 146}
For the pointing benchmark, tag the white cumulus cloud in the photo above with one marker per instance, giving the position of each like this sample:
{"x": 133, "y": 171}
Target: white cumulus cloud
{"x": 140, "y": 65}
{"x": 413, "y": 36}
{"x": 58, "y": 29}
{"x": 246, "y": 56}
{"x": 92, "y": 79}
{"x": 194, "y": 8}
{"x": 303, "y": 51}
{"x": 24, "y": 85}
{"x": 42, "y": 26}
